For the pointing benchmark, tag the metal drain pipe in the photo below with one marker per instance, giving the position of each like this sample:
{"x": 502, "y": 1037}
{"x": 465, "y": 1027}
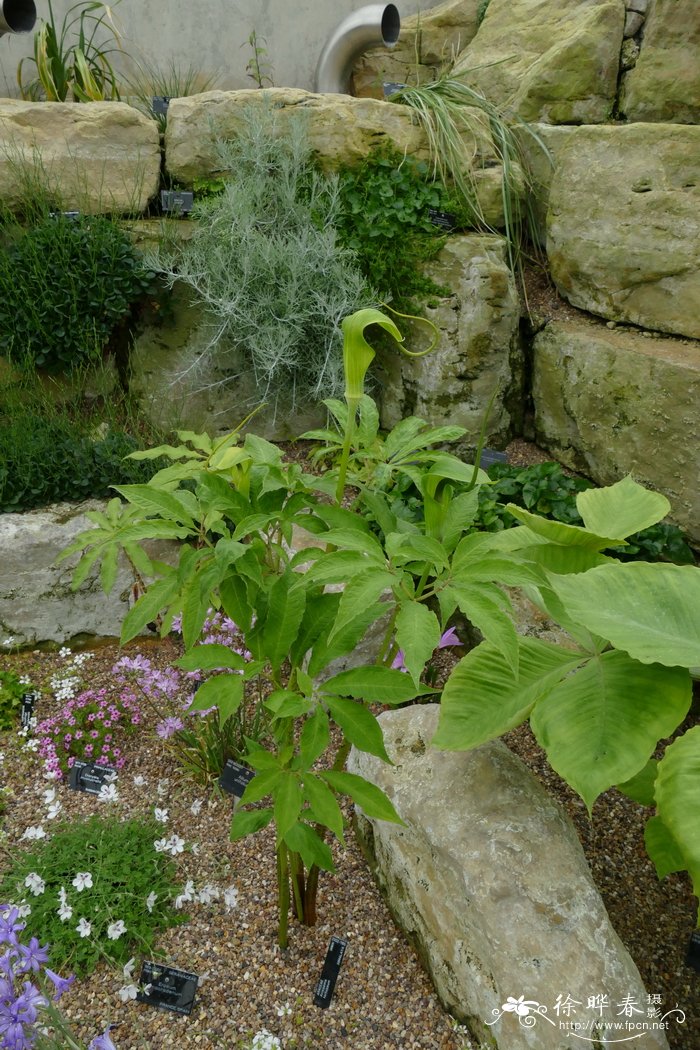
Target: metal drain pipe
{"x": 368, "y": 27}
{"x": 17, "y": 16}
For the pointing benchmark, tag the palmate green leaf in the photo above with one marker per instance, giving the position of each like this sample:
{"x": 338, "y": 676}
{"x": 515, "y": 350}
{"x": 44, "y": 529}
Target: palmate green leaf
{"x": 361, "y": 592}
{"x": 288, "y": 800}
{"x": 337, "y": 567}
{"x": 650, "y": 611}
{"x": 324, "y": 650}
{"x": 319, "y": 615}
{"x": 355, "y": 540}
{"x": 678, "y": 798}
{"x": 483, "y": 699}
{"x": 210, "y": 657}
{"x": 367, "y": 796}
{"x": 663, "y": 848}
{"x": 315, "y": 738}
{"x": 146, "y": 609}
{"x": 600, "y": 725}
{"x": 225, "y": 692}
{"x": 155, "y": 502}
{"x": 286, "y": 704}
{"x": 262, "y": 785}
{"x": 375, "y": 684}
{"x": 324, "y": 804}
{"x": 404, "y": 547}
{"x": 461, "y": 512}
{"x": 284, "y": 615}
{"x": 82, "y": 569}
{"x": 109, "y": 569}
{"x": 313, "y": 850}
{"x": 481, "y": 603}
{"x": 417, "y": 635}
{"x": 248, "y": 821}
{"x": 621, "y": 509}
{"x": 358, "y": 724}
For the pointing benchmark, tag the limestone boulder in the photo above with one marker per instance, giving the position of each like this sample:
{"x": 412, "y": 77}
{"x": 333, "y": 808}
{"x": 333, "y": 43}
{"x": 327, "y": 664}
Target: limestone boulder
{"x": 665, "y": 82}
{"x": 477, "y": 353}
{"x": 540, "y": 146}
{"x": 624, "y": 225}
{"x": 548, "y": 60}
{"x": 616, "y": 402}
{"x": 428, "y": 41}
{"x": 342, "y": 130}
{"x": 99, "y": 158}
{"x": 488, "y": 878}
{"x": 37, "y": 603}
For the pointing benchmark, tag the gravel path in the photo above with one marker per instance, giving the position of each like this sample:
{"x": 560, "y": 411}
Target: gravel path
{"x": 383, "y": 998}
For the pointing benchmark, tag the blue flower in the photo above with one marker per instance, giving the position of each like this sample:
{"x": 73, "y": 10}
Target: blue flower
{"x": 102, "y": 1042}
{"x": 61, "y": 984}
{"x": 32, "y": 956}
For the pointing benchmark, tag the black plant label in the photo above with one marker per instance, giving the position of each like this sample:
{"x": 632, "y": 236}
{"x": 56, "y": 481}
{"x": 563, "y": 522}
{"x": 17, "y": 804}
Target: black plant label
{"x": 444, "y": 220}
{"x": 89, "y": 777}
{"x": 692, "y": 959}
{"x": 323, "y": 992}
{"x": 27, "y": 709}
{"x": 167, "y": 988}
{"x": 235, "y": 778}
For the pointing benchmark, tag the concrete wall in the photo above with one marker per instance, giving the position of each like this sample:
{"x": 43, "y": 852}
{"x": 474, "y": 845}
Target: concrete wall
{"x": 212, "y": 35}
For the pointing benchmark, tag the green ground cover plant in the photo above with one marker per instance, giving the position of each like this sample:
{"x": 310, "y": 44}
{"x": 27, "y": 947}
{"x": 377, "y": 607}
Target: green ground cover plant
{"x": 65, "y": 282}
{"x": 598, "y": 708}
{"x": 12, "y": 689}
{"x": 384, "y": 218}
{"x": 96, "y": 889}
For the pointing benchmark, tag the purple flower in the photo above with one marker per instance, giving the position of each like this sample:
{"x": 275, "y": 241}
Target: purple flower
{"x": 102, "y": 1042}
{"x": 169, "y": 726}
{"x": 26, "y": 1005}
{"x": 9, "y": 926}
{"x": 32, "y": 956}
{"x": 61, "y": 984}
{"x": 448, "y": 638}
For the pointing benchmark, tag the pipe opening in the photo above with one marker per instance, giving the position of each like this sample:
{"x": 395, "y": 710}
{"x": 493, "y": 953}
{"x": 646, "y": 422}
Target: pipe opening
{"x": 391, "y": 25}
{"x": 19, "y": 15}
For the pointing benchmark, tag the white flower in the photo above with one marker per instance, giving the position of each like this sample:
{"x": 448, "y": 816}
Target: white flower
{"x": 195, "y": 848}
{"x": 188, "y": 894}
{"x": 50, "y": 774}
{"x": 161, "y": 815}
{"x": 2, "y": 756}
{"x": 34, "y": 832}
{"x": 129, "y": 991}
{"x": 140, "y": 781}
{"x": 65, "y": 912}
{"x": 264, "y": 1040}
{"x": 196, "y": 806}
{"x": 284, "y": 1011}
{"x": 53, "y": 810}
{"x": 24, "y": 911}
{"x": 175, "y": 845}
{"x": 208, "y": 894}
{"x": 162, "y": 788}
{"x": 116, "y": 929}
{"x": 84, "y": 928}
{"x": 80, "y": 658}
{"x": 160, "y": 845}
{"x": 35, "y": 884}
{"x": 111, "y": 778}
{"x": 230, "y": 897}
{"x": 31, "y": 745}
{"x": 128, "y": 969}
{"x": 62, "y": 895}
{"x": 82, "y": 881}
{"x": 151, "y": 900}
{"x": 108, "y": 793}
{"x": 49, "y": 795}
{"x": 10, "y": 640}
{"x": 65, "y": 652}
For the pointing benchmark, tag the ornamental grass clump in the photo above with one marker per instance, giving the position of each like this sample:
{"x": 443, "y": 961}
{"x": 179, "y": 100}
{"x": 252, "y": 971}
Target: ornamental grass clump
{"x": 99, "y": 889}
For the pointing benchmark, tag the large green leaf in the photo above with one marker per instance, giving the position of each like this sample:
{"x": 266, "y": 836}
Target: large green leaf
{"x": 600, "y": 725}
{"x": 248, "y": 821}
{"x": 284, "y": 615}
{"x": 303, "y": 840}
{"x": 319, "y": 616}
{"x": 361, "y": 591}
{"x": 640, "y": 787}
{"x": 146, "y": 609}
{"x": 324, "y": 804}
{"x": 621, "y": 509}
{"x": 559, "y": 533}
{"x": 210, "y": 657}
{"x": 373, "y": 683}
{"x": 678, "y": 798}
{"x": 288, "y": 799}
{"x": 358, "y": 724}
{"x": 417, "y": 635}
{"x": 662, "y": 848}
{"x": 155, "y": 502}
{"x": 483, "y": 698}
{"x": 480, "y": 603}
{"x": 354, "y": 540}
{"x": 315, "y": 737}
{"x": 650, "y": 611}
{"x": 225, "y": 692}
{"x": 325, "y": 651}
{"x": 368, "y": 796}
